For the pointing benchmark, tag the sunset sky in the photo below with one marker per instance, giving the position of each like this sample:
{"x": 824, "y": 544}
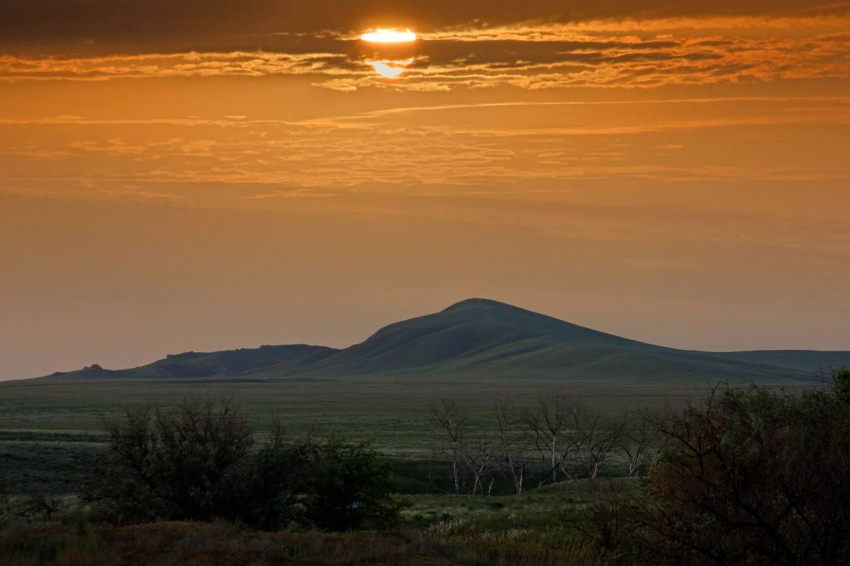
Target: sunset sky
{"x": 179, "y": 175}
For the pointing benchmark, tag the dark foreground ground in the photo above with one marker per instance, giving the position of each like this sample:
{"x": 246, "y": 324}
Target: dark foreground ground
{"x": 184, "y": 544}
{"x": 537, "y": 528}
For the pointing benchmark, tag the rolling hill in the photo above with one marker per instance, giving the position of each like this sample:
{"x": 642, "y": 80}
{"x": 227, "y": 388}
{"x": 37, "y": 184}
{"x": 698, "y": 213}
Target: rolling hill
{"x": 480, "y": 336}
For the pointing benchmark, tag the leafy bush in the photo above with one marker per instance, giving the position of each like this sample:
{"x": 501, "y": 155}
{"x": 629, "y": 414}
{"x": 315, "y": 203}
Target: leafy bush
{"x": 750, "y": 477}
{"x": 841, "y": 380}
{"x": 351, "y": 489}
{"x": 199, "y": 462}
{"x": 202, "y": 462}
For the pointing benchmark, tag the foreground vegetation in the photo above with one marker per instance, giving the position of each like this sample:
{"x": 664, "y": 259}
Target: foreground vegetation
{"x": 752, "y": 477}
{"x": 528, "y": 530}
{"x": 175, "y": 543}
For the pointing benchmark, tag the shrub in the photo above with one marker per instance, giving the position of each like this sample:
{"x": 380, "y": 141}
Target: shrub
{"x": 750, "y": 477}
{"x": 199, "y": 462}
{"x": 841, "y": 381}
{"x": 351, "y": 489}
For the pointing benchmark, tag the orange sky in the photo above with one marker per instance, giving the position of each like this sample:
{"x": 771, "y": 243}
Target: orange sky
{"x": 174, "y": 179}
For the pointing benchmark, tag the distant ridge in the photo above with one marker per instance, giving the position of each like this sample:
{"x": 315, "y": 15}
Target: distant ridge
{"x": 482, "y": 336}
{"x": 212, "y": 364}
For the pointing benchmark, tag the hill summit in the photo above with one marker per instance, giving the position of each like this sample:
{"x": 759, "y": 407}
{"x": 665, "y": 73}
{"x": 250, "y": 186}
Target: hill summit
{"x": 478, "y": 336}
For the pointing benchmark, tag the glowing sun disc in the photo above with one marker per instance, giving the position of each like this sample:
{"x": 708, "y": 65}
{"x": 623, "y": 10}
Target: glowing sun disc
{"x": 389, "y": 36}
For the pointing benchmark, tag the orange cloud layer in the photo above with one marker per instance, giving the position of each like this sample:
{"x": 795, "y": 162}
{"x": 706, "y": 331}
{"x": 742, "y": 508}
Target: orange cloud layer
{"x": 609, "y": 54}
{"x": 489, "y": 146}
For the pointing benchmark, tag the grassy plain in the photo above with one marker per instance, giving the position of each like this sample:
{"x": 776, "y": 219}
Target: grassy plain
{"x": 48, "y": 428}
{"x": 391, "y": 410}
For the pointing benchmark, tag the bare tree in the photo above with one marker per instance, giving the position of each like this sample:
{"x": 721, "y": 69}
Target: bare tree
{"x": 478, "y": 460}
{"x": 510, "y": 449}
{"x": 448, "y": 417}
{"x": 474, "y": 455}
{"x": 593, "y": 435}
{"x": 546, "y": 425}
{"x": 641, "y": 440}
{"x": 40, "y": 506}
{"x": 564, "y": 430}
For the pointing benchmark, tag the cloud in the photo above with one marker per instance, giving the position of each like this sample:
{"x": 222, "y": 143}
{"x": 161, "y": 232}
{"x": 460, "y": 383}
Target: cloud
{"x": 486, "y": 146}
{"x": 295, "y": 193}
{"x": 192, "y": 64}
{"x": 621, "y": 54}
{"x": 626, "y": 54}
{"x": 141, "y": 26}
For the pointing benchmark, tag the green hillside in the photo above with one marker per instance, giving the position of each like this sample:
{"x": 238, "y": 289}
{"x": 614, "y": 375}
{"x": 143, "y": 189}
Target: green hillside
{"x": 488, "y": 338}
{"x": 804, "y": 360}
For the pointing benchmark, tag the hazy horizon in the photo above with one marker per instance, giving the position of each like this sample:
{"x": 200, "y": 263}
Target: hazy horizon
{"x": 342, "y": 345}
{"x": 175, "y": 178}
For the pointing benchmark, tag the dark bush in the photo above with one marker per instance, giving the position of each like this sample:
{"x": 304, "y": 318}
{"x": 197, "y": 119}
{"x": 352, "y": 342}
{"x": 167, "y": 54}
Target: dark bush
{"x": 202, "y": 462}
{"x": 351, "y": 489}
{"x": 841, "y": 379}
{"x": 750, "y": 477}
{"x": 198, "y": 462}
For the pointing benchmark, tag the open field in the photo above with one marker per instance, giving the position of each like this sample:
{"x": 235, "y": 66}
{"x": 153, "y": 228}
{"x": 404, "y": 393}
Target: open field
{"x": 391, "y": 411}
{"x": 49, "y": 428}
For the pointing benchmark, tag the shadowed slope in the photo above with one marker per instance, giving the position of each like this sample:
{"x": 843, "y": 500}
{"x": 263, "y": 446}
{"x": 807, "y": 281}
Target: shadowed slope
{"x": 480, "y": 336}
{"x": 473, "y": 330}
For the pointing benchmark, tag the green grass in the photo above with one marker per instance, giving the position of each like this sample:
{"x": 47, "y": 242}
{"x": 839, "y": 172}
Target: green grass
{"x": 544, "y": 514}
{"x": 383, "y": 407}
{"x": 44, "y": 424}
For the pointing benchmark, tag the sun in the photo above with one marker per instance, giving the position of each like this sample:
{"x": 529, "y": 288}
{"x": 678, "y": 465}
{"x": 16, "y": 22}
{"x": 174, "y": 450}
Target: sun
{"x": 389, "y": 36}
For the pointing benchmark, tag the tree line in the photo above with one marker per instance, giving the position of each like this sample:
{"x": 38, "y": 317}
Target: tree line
{"x": 554, "y": 438}
{"x": 746, "y": 477}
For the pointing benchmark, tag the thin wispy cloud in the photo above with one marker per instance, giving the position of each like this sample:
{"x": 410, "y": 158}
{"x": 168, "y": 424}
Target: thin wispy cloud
{"x": 446, "y": 145}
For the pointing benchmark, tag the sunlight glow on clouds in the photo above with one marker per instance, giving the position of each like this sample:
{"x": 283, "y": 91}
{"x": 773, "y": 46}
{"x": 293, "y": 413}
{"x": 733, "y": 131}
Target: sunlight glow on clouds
{"x": 599, "y": 54}
{"x": 390, "y": 69}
